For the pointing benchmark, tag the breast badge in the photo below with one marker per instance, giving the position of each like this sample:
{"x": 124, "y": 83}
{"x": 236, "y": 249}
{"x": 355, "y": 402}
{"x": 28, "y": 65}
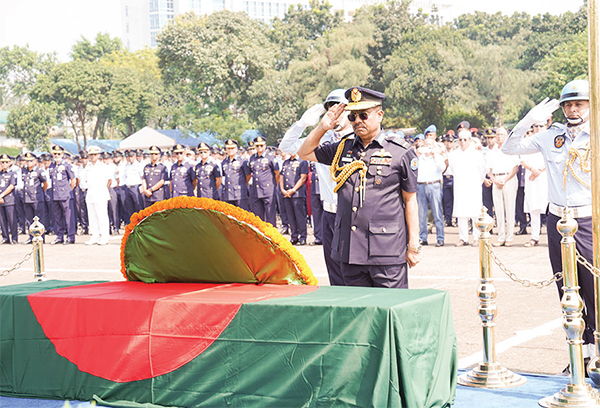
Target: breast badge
{"x": 414, "y": 163}
{"x": 559, "y": 141}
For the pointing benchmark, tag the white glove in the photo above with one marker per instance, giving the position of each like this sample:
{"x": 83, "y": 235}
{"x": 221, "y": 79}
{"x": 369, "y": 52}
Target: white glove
{"x": 539, "y": 113}
{"x": 312, "y": 115}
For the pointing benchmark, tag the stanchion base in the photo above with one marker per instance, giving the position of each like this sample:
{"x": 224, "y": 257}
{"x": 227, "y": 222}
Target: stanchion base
{"x": 593, "y": 370}
{"x": 491, "y": 376}
{"x": 573, "y": 396}
{"x": 40, "y": 278}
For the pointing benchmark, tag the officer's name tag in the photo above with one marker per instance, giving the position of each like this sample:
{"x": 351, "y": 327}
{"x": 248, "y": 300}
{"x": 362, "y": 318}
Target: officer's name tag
{"x": 2, "y": 183}
{"x": 59, "y": 176}
{"x": 347, "y": 159}
{"x": 381, "y": 161}
{"x": 32, "y": 182}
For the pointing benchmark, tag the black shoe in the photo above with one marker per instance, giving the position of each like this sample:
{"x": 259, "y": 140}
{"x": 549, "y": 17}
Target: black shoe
{"x": 284, "y": 231}
{"x": 29, "y": 241}
{"x": 316, "y": 243}
{"x": 521, "y": 232}
{"x": 440, "y": 244}
{"x": 4, "y": 241}
{"x": 56, "y": 241}
{"x": 294, "y": 241}
{"x": 449, "y": 224}
{"x": 13, "y": 242}
{"x": 423, "y": 243}
{"x": 301, "y": 242}
{"x": 68, "y": 242}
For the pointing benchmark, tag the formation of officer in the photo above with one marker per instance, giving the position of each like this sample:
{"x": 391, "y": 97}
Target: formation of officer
{"x": 376, "y": 230}
{"x": 567, "y": 155}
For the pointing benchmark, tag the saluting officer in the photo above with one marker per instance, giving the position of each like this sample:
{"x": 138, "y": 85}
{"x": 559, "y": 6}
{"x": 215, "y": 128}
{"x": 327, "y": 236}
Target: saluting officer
{"x": 34, "y": 185}
{"x": 567, "y": 153}
{"x": 182, "y": 174}
{"x": 234, "y": 190}
{"x": 8, "y": 219}
{"x": 265, "y": 176}
{"x": 207, "y": 174}
{"x": 292, "y": 184}
{"x": 377, "y": 222}
{"x": 63, "y": 182}
{"x": 153, "y": 179}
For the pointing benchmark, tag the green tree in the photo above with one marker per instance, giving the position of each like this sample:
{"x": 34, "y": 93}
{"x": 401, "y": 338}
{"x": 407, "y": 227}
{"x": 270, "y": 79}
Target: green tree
{"x": 31, "y": 124}
{"x": 19, "y": 68}
{"x": 86, "y": 50}
{"x": 223, "y": 127}
{"x": 217, "y": 58}
{"x": 80, "y": 89}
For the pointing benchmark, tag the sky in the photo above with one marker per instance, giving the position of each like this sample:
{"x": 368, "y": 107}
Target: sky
{"x": 56, "y": 25}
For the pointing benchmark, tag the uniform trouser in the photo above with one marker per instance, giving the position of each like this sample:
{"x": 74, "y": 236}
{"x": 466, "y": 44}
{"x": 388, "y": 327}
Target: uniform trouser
{"x": 505, "y": 199}
{"x": 99, "y": 224}
{"x": 283, "y": 213}
{"x": 333, "y": 266}
{"x": 132, "y": 200}
{"x": 317, "y": 215}
{"x": 584, "y": 244}
{"x": 48, "y": 220}
{"x": 488, "y": 201}
{"x": 448, "y": 198}
{"x": 113, "y": 207}
{"x": 378, "y": 276}
{"x": 81, "y": 208}
{"x": 536, "y": 224}
{"x": 463, "y": 228}
{"x": 264, "y": 208}
{"x": 31, "y": 210}
{"x": 20, "y": 209}
{"x": 430, "y": 195}
{"x": 63, "y": 220}
{"x": 244, "y": 202}
{"x": 121, "y": 209}
{"x": 8, "y": 223}
{"x": 296, "y": 212}
{"x": 520, "y": 215}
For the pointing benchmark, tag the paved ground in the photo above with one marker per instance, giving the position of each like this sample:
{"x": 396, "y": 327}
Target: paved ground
{"x": 529, "y": 334}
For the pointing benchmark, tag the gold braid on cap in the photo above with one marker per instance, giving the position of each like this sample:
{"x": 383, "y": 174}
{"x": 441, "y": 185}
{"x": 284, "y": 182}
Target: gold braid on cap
{"x": 346, "y": 171}
{"x": 584, "y": 163}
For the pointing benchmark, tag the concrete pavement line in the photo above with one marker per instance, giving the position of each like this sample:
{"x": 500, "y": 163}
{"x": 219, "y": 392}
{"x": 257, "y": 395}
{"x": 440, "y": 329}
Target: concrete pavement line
{"x": 520, "y": 337}
{"x": 461, "y": 278}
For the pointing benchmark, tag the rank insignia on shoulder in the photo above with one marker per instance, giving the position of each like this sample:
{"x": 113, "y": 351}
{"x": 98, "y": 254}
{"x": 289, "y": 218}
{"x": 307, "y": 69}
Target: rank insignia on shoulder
{"x": 414, "y": 163}
{"x": 559, "y": 141}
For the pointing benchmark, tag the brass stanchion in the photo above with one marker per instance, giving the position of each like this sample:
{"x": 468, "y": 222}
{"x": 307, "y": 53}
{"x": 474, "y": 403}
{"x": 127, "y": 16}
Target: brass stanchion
{"x": 577, "y": 393}
{"x": 594, "y": 69}
{"x": 37, "y": 230}
{"x": 489, "y": 374}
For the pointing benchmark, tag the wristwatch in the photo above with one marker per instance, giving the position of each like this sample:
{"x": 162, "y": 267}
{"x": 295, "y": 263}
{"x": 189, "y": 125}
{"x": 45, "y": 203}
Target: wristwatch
{"x": 416, "y": 249}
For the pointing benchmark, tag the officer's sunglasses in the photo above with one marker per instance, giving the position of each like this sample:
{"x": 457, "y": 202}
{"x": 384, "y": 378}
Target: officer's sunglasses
{"x": 363, "y": 116}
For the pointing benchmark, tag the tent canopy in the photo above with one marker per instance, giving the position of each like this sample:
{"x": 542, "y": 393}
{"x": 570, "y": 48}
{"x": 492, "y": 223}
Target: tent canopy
{"x": 145, "y": 138}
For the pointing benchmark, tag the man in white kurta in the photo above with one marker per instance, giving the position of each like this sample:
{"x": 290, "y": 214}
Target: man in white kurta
{"x": 468, "y": 167}
{"x": 502, "y": 169}
{"x": 99, "y": 178}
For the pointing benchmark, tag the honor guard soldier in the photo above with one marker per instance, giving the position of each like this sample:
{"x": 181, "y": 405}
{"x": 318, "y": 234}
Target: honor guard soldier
{"x": 34, "y": 185}
{"x": 182, "y": 174}
{"x": 291, "y": 143}
{"x": 8, "y": 220}
{"x": 265, "y": 176}
{"x": 234, "y": 190}
{"x": 292, "y": 183}
{"x": 63, "y": 182}
{"x": 567, "y": 153}
{"x": 154, "y": 177}
{"x": 207, "y": 174}
{"x": 377, "y": 223}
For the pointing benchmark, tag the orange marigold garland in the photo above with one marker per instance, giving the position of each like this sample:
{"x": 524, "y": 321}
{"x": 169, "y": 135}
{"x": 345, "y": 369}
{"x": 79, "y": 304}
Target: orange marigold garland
{"x": 229, "y": 210}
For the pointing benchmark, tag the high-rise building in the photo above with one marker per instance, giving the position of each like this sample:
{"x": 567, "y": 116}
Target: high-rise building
{"x": 143, "y": 19}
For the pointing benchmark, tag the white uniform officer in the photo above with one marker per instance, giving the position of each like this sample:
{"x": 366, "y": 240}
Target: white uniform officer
{"x": 567, "y": 154}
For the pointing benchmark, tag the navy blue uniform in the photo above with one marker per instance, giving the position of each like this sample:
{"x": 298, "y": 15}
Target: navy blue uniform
{"x": 262, "y": 189}
{"x": 154, "y": 173}
{"x": 181, "y": 179}
{"x": 61, "y": 173}
{"x": 370, "y": 241}
{"x": 33, "y": 194}
{"x": 8, "y": 220}
{"x": 292, "y": 171}
{"x": 234, "y": 190}
{"x": 206, "y": 175}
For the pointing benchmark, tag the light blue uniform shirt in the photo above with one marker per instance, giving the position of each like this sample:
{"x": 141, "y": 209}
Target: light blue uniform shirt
{"x": 555, "y": 143}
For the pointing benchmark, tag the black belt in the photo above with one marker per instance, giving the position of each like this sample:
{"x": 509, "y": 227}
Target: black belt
{"x": 429, "y": 182}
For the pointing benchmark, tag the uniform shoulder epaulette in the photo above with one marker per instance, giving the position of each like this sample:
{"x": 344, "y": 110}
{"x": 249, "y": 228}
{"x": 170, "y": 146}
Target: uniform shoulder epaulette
{"x": 398, "y": 141}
